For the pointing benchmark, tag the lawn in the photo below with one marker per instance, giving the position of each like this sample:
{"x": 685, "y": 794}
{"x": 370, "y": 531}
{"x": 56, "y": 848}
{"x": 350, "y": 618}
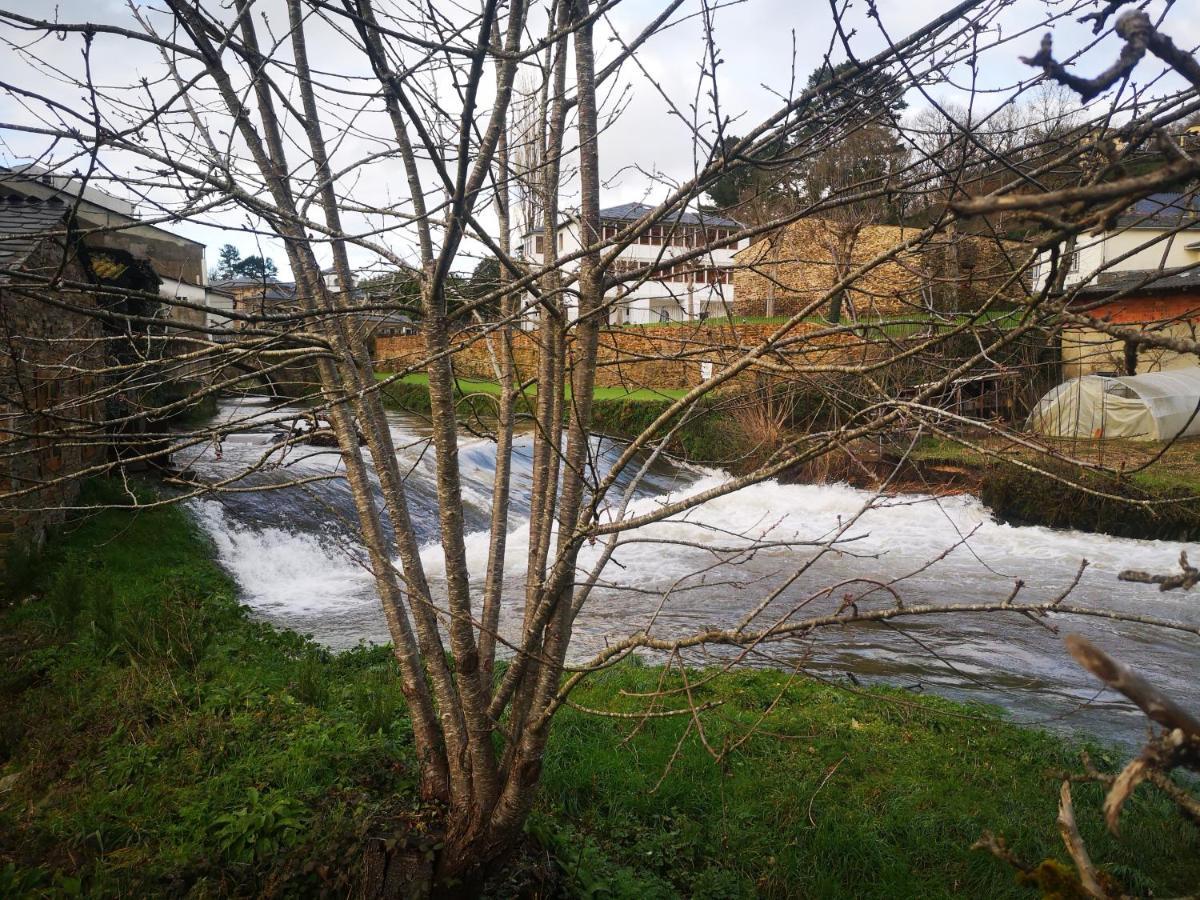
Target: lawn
{"x": 470, "y": 386}
{"x": 155, "y": 741}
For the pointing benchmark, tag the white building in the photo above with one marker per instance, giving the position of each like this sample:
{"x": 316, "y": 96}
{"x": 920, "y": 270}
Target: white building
{"x": 1159, "y": 231}
{"x": 691, "y": 290}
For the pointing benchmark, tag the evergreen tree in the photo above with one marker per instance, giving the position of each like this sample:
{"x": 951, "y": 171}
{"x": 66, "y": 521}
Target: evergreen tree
{"x": 228, "y": 259}
{"x": 256, "y": 267}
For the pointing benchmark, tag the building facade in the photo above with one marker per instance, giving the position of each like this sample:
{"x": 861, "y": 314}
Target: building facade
{"x": 650, "y": 288}
{"x": 107, "y": 222}
{"x": 52, "y": 408}
{"x": 1159, "y": 231}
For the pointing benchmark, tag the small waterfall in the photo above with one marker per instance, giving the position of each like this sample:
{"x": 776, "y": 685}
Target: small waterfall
{"x": 293, "y": 553}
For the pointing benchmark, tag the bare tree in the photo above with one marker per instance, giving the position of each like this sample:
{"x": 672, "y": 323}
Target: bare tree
{"x": 471, "y": 106}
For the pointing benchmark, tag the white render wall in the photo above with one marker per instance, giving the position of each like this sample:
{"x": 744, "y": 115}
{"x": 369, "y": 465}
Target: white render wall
{"x": 1125, "y": 251}
{"x": 651, "y": 301}
{"x": 174, "y": 289}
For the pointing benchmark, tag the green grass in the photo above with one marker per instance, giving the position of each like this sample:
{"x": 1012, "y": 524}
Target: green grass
{"x": 159, "y": 741}
{"x": 472, "y": 386}
{"x": 154, "y": 741}
{"x": 839, "y": 795}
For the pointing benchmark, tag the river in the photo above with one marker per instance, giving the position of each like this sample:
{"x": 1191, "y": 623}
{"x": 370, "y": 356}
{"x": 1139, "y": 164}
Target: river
{"x": 294, "y": 557}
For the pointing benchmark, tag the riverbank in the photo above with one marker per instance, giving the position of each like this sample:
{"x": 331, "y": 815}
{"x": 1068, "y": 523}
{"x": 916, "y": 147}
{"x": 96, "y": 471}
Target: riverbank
{"x": 1152, "y": 492}
{"x": 1152, "y": 495}
{"x": 158, "y": 741}
{"x": 709, "y": 437}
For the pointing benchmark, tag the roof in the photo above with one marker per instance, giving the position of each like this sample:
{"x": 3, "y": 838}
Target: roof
{"x": 266, "y": 290}
{"x": 37, "y": 181}
{"x": 1138, "y": 282}
{"x": 1162, "y": 210}
{"x": 24, "y": 223}
{"x": 630, "y": 212}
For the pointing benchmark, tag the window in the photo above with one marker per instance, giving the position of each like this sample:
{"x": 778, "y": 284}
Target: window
{"x": 1074, "y": 264}
{"x": 560, "y": 240}
{"x": 539, "y": 244}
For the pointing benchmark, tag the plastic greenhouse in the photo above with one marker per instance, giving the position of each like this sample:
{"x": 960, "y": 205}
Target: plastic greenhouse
{"x": 1158, "y": 406}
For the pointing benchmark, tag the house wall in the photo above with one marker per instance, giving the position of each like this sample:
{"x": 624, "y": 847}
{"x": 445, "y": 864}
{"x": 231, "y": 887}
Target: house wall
{"x": 49, "y": 364}
{"x": 682, "y": 299}
{"x": 1087, "y": 350}
{"x": 1149, "y": 248}
{"x": 793, "y": 268}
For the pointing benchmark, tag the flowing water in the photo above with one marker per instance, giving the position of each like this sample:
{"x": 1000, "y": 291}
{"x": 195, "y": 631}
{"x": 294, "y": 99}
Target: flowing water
{"x": 293, "y": 554}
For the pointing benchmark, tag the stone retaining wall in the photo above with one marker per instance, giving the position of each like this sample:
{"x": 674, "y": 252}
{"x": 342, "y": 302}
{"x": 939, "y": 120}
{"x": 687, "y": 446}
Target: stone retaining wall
{"x": 651, "y": 356}
{"x": 49, "y": 364}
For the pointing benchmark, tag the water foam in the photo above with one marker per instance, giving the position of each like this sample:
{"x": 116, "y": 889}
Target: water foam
{"x": 281, "y": 571}
{"x": 904, "y": 530}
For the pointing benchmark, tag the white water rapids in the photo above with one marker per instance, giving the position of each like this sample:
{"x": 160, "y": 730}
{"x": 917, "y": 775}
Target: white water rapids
{"x": 293, "y": 554}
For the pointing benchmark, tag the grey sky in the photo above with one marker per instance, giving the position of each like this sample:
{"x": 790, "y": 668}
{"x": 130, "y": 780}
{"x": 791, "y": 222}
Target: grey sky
{"x": 759, "y": 41}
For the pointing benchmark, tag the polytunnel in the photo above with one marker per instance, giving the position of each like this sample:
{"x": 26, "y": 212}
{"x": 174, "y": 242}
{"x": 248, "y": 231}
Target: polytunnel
{"x": 1157, "y": 406}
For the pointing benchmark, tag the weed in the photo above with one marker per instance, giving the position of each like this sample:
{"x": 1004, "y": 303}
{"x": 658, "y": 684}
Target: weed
{"x": 65, "y": 597}
{"x": 311, "y": 684}
{"x": 262, "y": 826}
{"x": 378, "y": 700}
{"x": 21, "y": 569}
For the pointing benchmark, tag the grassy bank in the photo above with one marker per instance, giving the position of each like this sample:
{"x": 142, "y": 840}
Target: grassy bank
{"x": 158, "y": 742}
{"x": 473, "y": 386}
{"x": 707, "y": 437}
{"x": 1160, "y": 501}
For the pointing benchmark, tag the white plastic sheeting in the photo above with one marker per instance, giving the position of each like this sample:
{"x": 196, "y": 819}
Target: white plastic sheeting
{"x": 1158, "y": 406}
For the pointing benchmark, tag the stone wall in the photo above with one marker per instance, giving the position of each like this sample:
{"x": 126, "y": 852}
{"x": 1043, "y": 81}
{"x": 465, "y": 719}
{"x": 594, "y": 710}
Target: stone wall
{"x": 52, "y": 418}
{"x": 652, "y": 356}
{"x": 792, "y": 268}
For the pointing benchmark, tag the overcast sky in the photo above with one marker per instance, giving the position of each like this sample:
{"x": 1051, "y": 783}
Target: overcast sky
{"x": 759, "y": 40}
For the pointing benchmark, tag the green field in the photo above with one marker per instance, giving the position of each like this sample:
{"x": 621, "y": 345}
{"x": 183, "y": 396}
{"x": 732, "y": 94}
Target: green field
{"x": 155, "y": 741}
{"x": 470, "y": 386}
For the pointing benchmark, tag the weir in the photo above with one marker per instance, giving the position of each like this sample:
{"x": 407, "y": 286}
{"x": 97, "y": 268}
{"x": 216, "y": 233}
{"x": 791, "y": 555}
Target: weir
{"x": 311, "y": 575}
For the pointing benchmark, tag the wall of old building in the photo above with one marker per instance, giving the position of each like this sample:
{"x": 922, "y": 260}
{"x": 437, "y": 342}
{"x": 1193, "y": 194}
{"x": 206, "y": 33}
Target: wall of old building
{"x": 793, "y": 268}
{"x": 1087, "y": 350}
{"x": 50, "y": 361}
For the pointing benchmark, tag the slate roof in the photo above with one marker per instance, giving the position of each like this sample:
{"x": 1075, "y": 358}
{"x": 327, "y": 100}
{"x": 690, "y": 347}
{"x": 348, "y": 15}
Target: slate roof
{"x": 630, "y": 212}
{"x": 24, "y": 223}
{"x": 1162, "y": 210}
{"x": 266, "y": 290}
{"x": 1139, "y": 282}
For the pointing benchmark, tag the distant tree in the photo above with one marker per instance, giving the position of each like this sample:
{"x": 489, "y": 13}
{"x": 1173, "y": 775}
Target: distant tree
{"x": 399, "y": 288}
{"x": 228, "y": 259}
{"x": 484, "y": 280}
{"x": 863, "y": 95}
{"x": 256, "y": 267}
